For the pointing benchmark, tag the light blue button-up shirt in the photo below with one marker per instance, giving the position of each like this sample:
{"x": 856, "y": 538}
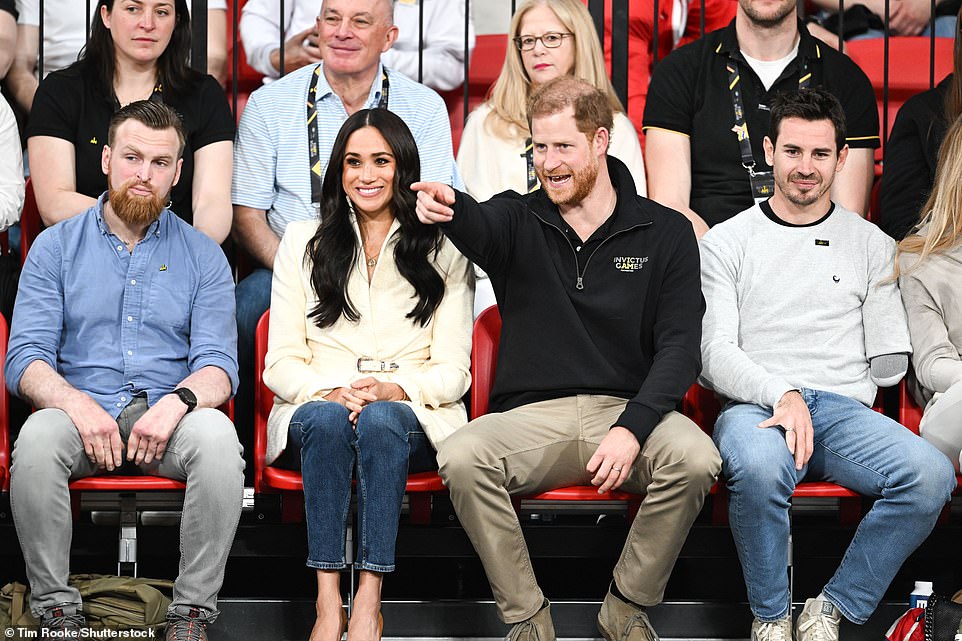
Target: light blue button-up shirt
{"x": 116, "y": 324}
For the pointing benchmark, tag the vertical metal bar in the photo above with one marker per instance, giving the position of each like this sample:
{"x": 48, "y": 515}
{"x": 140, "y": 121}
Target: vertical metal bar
{"x": 467, "y": 62}
{"x": 885, "y": 75}
{"x": 198, "y": 36}
{"x": 932, "y": 45}
{"x": 513, "y": 2}
{"x": 619, "y": 50}
{"x": 234, "y": 58}
{"x": 597, "y": 10}
{"x": 841, "y": 26}
{"x": 421, "y": 41}
{"x": 655, "y": 10}
{"x": 40, "y": 43}
{"x": 282, "y": 35}
{"x": 87, "y": 24}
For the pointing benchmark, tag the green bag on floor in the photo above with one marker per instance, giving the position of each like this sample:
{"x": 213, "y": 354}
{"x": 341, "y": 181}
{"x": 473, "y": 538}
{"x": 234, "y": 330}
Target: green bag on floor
{"x": 116, "y": 602}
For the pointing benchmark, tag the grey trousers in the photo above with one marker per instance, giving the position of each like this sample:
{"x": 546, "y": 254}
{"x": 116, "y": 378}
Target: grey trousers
{"x": 547, "y": 445}
{"x": 203, "y": 451}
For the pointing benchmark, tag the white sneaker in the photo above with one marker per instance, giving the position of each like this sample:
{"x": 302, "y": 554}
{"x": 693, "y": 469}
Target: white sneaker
{"x": 780, "y": 630}
{"x": 818, "y": 621}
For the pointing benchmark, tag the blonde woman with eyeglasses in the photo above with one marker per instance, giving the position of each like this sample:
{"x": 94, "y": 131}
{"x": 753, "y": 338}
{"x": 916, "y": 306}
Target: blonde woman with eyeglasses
{"x": 547, "y": 39}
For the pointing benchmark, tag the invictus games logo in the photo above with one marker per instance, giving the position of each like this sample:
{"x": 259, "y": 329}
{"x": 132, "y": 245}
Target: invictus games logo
{"x": 630, "y": 263}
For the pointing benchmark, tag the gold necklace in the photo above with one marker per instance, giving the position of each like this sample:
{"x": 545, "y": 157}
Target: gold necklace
{"x": 372, "y": 260}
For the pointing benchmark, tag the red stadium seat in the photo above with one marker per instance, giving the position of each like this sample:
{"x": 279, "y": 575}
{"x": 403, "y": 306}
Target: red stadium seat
{"x": 30, "y": 222}
{"x": 484, "y": 68}
{"x": 909, "y": 64}
{"x": 248, "y": 79}
{"x": 910, "y": 414}
{"x": 288, "y": 483}
{"x": 484, "y": 358}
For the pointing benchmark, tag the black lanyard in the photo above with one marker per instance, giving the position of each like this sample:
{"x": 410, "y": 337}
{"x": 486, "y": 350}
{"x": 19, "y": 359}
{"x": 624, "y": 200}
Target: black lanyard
{"x": 528, "y": 156}
{"x": 313, "y": 147}
{"x": 763, "y": 182}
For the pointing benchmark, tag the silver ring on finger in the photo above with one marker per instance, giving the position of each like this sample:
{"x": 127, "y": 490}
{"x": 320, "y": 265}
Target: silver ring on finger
{"x": 615, "y": 469}
{"x": 789, "y": 429}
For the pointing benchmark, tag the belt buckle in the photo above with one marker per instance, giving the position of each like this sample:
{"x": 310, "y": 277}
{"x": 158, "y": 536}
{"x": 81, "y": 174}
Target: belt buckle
{"x": 368, "y": 365}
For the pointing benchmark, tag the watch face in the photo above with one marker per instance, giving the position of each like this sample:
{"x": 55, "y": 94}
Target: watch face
{"x": 187, "y": 397}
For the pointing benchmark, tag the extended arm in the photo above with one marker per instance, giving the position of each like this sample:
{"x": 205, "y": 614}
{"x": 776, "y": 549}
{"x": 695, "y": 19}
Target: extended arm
{"x": 211, "y": 189}
{"x": 853, "y": 184}
{"x": 21, "y": 79}
{"x": 251, "y": 231}
{"x": 668, "y": 162}
{"x": 483, "y": 233}
{"x": 252, "y": 184}
{"x": 217, "y": 44}
{"x": 54, "y": 179}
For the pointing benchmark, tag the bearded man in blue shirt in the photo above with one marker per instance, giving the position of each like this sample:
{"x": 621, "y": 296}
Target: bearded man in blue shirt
{"x": 123, "y": 338}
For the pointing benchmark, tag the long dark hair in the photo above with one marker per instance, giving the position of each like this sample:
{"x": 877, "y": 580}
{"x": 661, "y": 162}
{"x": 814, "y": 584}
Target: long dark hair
{"x": 173, "y": 70}
{"x": 332, "y": 252}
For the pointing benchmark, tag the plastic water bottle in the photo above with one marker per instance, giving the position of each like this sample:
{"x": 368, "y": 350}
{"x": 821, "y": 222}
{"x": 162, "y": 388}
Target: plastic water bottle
{"x": 920, "y": 595}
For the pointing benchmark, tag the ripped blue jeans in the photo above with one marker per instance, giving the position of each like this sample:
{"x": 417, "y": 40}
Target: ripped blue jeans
{"x": 386, "y": 444}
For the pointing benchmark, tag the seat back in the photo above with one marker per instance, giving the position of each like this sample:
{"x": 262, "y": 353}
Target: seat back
{"x": 909, "y": 63}
{"x": 910, "y": 414}
{"x": 483, "y": 70}
{"x": 30, "y": 222}
{"x": 263, "y": 401}
{"x": 484, "y": 359}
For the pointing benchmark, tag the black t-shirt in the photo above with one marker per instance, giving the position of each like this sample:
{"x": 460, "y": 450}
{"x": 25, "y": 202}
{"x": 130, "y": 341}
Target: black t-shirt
{"x": 689, "y": 94}
{"x": 911, "y": 157}
{"x": 69, "y": 105}
{"x": 10, "y": 7}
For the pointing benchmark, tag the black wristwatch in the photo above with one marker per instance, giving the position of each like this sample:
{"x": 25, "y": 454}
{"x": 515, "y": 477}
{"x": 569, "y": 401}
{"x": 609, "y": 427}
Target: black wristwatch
{"x": 187, "y": 398}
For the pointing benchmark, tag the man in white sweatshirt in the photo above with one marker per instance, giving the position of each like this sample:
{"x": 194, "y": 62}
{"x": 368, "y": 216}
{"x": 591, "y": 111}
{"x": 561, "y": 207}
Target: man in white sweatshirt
{"x": 802, "y": 325}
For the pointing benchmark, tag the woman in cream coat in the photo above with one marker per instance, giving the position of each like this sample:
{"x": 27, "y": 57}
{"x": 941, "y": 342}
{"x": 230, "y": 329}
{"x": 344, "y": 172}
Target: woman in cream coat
{"x": 368, "y": 356}
{"x": 929, "y": 267}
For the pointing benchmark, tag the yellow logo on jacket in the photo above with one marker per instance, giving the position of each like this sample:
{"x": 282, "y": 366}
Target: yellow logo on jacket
{"x": 630, "y": 263}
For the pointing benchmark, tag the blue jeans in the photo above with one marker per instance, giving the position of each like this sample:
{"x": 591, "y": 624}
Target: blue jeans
{"x": 855, "y": 447}
{"x": 386, "y": 444}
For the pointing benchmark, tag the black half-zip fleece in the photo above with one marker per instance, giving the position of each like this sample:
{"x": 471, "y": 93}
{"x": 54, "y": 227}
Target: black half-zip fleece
{"x": 627, "y": 324}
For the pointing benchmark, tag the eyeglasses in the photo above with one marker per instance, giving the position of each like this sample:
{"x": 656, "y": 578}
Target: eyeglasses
{"x": 552, "y": 40}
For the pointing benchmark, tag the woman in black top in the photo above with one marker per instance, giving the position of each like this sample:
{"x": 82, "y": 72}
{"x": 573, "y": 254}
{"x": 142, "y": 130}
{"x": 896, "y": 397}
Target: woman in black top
{"x": 137, "y": 50}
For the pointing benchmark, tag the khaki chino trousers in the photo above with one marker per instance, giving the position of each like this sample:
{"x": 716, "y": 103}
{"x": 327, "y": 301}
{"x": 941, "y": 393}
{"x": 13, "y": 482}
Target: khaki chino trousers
{"x": 546, "y": 445}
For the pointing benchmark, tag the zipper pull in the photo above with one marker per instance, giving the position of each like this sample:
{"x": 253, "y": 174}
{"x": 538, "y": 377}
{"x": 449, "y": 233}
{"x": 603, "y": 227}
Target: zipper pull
{"x": 580, "y": 285}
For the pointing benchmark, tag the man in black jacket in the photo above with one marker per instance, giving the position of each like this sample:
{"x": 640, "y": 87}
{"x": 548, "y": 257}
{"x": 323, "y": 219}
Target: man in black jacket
{"x": 601, "y": 305}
